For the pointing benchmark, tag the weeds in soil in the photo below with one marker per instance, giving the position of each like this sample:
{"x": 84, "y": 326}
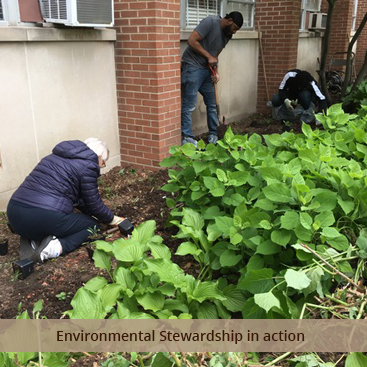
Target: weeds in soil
{"x": 16, "y": 276}
{"x": 62, "y": 296}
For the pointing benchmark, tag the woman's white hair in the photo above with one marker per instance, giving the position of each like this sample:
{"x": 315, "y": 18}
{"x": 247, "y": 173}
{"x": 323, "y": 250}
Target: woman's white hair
{"x": 99, "y": 147}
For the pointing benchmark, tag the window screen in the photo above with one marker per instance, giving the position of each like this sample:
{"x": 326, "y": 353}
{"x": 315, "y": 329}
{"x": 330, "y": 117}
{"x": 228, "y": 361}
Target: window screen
{"x": 245, "y": 7}
{"x": 1, "y": 11}
{"x": 196, "y": 10}
{"x": 312, "y": 5}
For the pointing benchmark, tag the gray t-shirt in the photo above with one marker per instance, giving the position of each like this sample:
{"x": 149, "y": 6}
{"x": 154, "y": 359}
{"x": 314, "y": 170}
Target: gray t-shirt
{"x": 213, "y": 41}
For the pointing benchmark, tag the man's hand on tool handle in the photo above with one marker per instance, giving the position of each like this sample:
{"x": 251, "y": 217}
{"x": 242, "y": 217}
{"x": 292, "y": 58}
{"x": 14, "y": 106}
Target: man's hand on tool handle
{"x": 116, "y": 221}
{"x": 215, "y": 75}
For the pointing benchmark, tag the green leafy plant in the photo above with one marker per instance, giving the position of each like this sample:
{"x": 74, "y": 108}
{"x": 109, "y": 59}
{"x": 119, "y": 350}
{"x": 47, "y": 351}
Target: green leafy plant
{"x": 145, "y": 283}
{"x": 246, "y": 207}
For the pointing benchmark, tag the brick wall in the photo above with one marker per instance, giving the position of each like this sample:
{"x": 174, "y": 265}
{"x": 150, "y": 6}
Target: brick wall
{"x": 341, "y": 28}
{"x": 362, "y": 40}
{"x": 279, "y": 24}
{"x": 148, "y": 79}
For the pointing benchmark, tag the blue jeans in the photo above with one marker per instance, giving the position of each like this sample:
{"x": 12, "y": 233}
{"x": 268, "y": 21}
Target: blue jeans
{"x": 194, "y": 80}
{"x": 35, "y": 224}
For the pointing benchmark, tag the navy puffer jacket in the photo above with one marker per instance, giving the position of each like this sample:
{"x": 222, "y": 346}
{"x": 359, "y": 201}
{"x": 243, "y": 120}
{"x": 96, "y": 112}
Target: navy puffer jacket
{"x": 64, "y": 179}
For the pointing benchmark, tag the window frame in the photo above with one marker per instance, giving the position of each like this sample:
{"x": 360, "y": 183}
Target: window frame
{"x": 303, "y": 26}
{"x": 10, "y": 12}
{"x": 354, "y": 15}
{"x": 222, "y": 12}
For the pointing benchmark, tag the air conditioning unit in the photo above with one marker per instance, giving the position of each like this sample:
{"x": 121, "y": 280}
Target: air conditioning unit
{"x": 78, "y": 13}
{"x": 317, "y": 21}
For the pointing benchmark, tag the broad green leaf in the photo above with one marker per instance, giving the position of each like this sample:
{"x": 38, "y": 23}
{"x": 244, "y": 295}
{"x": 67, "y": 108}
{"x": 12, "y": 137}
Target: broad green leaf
{"x": 125, "y": 278}
{"x": 224, "y": 224}
{"x": 176, "y": 305}
{"x": 296, "y": 279}
{"x": 192, "y": 219}
{"x": 327, "y": 200}
{"x": 330, "y": 232}
{"x": 144, "y": 232}
{"x": 340, "y": 243}
{"x": 268, "y": 248}
{"x": 206, "y": 290}
{"x": 278, "y": 193}
{"x": 104, "y": 246}
{"x": 167, "y": 271}
{"x": 314, "y": 275}
{"x": 221, "y": 175}
{"x": 229, "y": 258}
{"x": 326, "y": 219}
{"x": 207, "y": 310}
{"x": 159, "y": 250}
{"x": 356, "y": 359}
{"x": 188, "y": 248}
{"x": 128, "y": 250}
{"x": 271, "y": 173}
{"x": 257, "y": 281}
{"x": 266, "y": 301}
{"x": 281, "y": 237}
{"x": 346, "y": 205}
{"x": 109, "y": 295}
{"x": 305, "y": 220}
{"x": 200, "y": 166}
{"x": 24, "y": 357}
{"x": 302, "y": 233}
{"x": 87, "y": 305}
{"x": 171, "y": 187}
{"x": 252, "y": 311}
{"x": 95, "y": 284}
{"x": 215, "y": 187}
{"x": 289, "y": 220}
{"x": 235, "y": 298}
{"x": 255, "y": 263}
{"x": 152, "y": 301}
{"x": 102, "y": 260}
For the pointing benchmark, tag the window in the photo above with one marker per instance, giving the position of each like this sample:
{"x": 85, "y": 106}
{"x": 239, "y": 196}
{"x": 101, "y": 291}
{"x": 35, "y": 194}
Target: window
{"x": 196, "y": 10}
{"x": 307, "y": 7}
{"x": 354, "y": 15}
{"x": 1, "y": 11}
{"x": 193, "y": 11}
{"x": 245, "y": 7}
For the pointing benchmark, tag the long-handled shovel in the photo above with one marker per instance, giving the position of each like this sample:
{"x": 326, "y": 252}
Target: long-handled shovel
{"x": 220, "y": 121}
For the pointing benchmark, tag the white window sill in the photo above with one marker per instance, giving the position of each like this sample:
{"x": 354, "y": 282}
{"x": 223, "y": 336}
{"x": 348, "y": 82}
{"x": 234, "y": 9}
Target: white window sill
{"x": 34, "y": 34}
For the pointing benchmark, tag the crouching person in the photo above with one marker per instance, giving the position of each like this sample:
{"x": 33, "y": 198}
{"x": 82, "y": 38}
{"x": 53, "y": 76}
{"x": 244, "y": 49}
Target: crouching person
{"x": 298, "y": 88}
{"x": 41, "y": 210}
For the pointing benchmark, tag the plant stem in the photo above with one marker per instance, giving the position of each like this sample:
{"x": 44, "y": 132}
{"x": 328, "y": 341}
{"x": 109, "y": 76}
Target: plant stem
{"x": 338, "y": 300}
{"x": 177, "y": 361}
{"x": 363, "y": 305}
{"x": 351, "y": 281}
{"x": 280, "y": 358}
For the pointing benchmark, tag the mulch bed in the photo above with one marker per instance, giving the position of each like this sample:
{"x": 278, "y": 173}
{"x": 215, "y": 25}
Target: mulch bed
{"x": 131, "y": 193}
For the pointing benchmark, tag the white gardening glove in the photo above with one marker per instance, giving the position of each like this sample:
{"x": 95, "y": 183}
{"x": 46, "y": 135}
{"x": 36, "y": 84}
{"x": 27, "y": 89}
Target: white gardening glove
{"x": 288, "y": 104}
{"x": 116, "y": 221}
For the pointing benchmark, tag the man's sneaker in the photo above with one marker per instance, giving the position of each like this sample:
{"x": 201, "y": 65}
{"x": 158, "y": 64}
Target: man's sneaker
{"x": 212, "y": 139}
{"x": 188, "y": 139}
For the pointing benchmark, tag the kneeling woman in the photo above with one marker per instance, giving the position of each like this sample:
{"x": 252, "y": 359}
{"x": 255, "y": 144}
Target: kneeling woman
{"x": 41, "y": 210}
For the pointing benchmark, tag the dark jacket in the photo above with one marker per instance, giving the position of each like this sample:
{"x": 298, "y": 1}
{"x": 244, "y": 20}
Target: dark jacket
{"x": 295, "y": 81}
{"x": 64, "y": 179}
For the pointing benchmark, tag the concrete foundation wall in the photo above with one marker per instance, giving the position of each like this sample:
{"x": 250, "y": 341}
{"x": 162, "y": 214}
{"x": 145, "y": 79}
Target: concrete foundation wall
{"x": 56, "y": 85}
{"x": 309, "y": 50}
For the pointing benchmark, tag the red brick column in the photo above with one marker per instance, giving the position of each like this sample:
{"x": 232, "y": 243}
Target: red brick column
{"x": 362, "y": 39}
{"x": 279, "y": 24}
{"x": 148, "y": 79}
{"x": 341, "y": 28}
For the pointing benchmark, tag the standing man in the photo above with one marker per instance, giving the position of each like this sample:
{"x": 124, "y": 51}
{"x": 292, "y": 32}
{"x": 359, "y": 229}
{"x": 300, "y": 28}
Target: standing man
{"x": 204, "y": 46}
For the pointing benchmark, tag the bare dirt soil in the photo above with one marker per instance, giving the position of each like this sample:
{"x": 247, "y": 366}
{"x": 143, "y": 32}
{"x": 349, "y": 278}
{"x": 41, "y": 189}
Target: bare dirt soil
{"x": 131, "y": 193}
